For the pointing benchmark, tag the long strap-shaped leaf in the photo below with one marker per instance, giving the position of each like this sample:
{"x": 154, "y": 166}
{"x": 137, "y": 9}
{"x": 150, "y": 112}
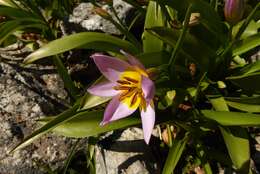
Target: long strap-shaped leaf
{"x": 249, "y": 82}
{"x": 227, "y": 118}
{"x": 209, "y": 18}
{"x": 247, "y": 44}
{"x": 87, "y": 124}
{"x": 88, "y": 40}
{"x": 9, "y": 27}
{"x": 174, "y": 154}
{"x": 54, "y": 122}
{"x": 71, "y": 123}
{"x": 191, "y": 45}
{"x": 235, "y": 138}
{"x": 15, "y": 13}
{"x": 9, "y": 3}
{"x": 154, "y": 17}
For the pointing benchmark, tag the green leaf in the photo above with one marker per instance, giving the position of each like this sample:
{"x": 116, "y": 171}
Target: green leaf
{"x": 250, "y": 68}
{"x": 249, "y": 82}
{"x": 15, "y": 13}
{"x": 219, "y": 104}
{"x": 235, "y": 138}
{"x": 209, "y": 18}
{"x": 154, "y": 17}
{"x": 250, "y": 30}
{"x": 244, "y": 107}
{"x": 179, "y": 5}
{"x": 153, "y": 59}
{"x": 191, "y": 46}
{"x": 227, "y": 118}
{"x": 247, "y": 44}
{"x": 91, "y": 101}
{"x": 255, "y": 100}
{"x": 174, "y": 154}
{"x": 9, "y": 3}
{"x": 87, "y": 123}
{"x": 10, "y": 27}
{"x": 237, "y": 143}
{"x": 88, "y": 40}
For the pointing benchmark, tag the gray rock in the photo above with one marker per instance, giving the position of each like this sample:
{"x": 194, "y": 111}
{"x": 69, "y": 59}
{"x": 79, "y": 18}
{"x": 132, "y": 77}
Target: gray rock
{"x": 127, "y": 155}
{"x": 26, "y": 94}
{"x": 84, "y": 16}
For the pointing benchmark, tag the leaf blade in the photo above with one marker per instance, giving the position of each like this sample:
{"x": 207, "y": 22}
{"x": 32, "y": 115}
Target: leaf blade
{"x": 227, "y": 118}
{"x": 89, "y": 40}
{"x": 246, "y": 44}
{"x": 235, "y": 139}
{"x": 153, "y": 18}
{"x": 87, "y": 123}
{"x": 174, "y": 154}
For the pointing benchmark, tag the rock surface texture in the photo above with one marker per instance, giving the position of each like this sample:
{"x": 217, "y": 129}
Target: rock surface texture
{"x": 26, "y": 94}
{"x": 127, "y": 154}
{"x": 84, "y": 17}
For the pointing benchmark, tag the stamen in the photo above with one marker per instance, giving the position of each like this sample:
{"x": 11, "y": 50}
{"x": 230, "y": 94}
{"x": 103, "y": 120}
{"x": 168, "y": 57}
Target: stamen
{"x": 134, "y": 99}
{"x": 128, "y": 93}
{"x": 131, "y": 80}
{"x": 123, "y": 82}
{"x": 143, "y": 103}
{"x": 122, "y": 88}
{"x": 123, "y": 95}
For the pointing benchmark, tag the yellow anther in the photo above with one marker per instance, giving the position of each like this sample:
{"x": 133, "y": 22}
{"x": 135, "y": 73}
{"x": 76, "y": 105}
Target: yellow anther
{"x": 128, "y": 93}
{"x": 134, "y": 99}
{"x": 123, "y": 82}
{"x": 121, "y": 87}
{"x": 143, "y": 103}
{"x": 131, "y": 80}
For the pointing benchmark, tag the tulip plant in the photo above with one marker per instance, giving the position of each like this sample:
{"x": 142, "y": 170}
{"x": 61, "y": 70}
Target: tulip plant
{"x": 191, "y": 75}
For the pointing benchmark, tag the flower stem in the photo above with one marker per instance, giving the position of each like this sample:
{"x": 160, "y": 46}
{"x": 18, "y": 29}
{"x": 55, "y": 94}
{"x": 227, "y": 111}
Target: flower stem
{"x": 181, "y": 38}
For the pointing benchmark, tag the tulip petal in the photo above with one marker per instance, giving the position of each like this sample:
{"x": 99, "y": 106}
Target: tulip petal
{"x": 104, "y": 89}
{"x": 110, "y": 67}
{"x": 132, "y": 60}
{"x": 148, "y": 120}
{"x": 148, "y": 88}
{"x": 116, "y": 110}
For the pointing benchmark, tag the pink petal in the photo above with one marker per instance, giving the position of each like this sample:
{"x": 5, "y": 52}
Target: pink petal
{"x": 116, "y": 110}
{"x": 132, "y": 60}
{"x": 103, "y": 89}
{"x": 148, "y": 120}
{"x": 109, "y": 66}
{"x": 148, "y": 88}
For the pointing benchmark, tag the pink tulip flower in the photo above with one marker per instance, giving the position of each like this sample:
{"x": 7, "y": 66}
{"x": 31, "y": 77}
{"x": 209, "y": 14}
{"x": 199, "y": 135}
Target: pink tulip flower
{"x": 129, "y": 86}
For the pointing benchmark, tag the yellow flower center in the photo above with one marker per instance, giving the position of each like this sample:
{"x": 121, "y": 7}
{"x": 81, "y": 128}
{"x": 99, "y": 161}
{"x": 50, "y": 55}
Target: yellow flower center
{"x": 130, "y": 87}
